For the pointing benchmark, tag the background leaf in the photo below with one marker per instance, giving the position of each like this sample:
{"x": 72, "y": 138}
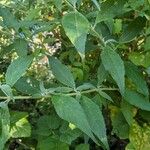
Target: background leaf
{"x": 51, "y": 144}
{"x": 82, "y": 147}
{"x": 130, "y": 32}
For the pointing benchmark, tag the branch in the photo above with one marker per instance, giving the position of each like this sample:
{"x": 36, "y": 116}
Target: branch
{"x": 68, "y": 94}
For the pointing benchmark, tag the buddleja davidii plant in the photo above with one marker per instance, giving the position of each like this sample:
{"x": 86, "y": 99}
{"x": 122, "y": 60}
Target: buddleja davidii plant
{"x": 62, "y": 73}
{"x": 112, "y": 62}
{"x": 73, "y": 106}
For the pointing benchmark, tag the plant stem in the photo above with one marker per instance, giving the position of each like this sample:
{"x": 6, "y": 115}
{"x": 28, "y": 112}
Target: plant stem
{"x": 68, "y": 94}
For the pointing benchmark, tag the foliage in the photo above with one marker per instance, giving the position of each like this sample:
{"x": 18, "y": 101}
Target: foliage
{"x": 74, "y": 74}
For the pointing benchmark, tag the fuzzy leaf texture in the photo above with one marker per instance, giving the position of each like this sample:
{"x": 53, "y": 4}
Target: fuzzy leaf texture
{"x": 76, "y": 27}
{"x": 115, "y": 66}
{"x": 17, "y": 68}
{"x": 61, "y": 72}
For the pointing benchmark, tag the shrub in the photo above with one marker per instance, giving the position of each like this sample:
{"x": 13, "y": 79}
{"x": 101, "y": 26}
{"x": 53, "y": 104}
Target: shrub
{"x": 75, "y": 74}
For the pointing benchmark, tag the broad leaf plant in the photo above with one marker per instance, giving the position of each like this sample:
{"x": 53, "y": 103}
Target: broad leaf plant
{"x": 74, "y": 74}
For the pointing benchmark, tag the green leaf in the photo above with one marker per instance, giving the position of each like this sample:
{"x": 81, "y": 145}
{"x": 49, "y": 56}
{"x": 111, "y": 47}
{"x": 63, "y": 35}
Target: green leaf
{"x": 73, "y": 2}
{"x": 147, "y": 44}
{"x": 95, "y": 119}
{"x": 105, "y": 95}
{"x": 46, "y": 123}
{"x": 136, "y": 76}
{"x": 145, "y": 115}
{"x": 7, "y": 90}
{"x": 70, "y": 110}
{"x": 21, "y": 128}
{"x": 85, "y": 86}
{"x": 115, "y": 66}
{"x": 127, "y": 111}
{"x": 76, "y": 27}
{"x": 21, "y": 47}
{"x": 70, "y": 135}
{"x": 119, "y": 123}
{"x": 115, "y": 9}
{"x": 82, "y": 147}
{"x": 51, "y": 144}
{"x": 30, "y": 86}
{"x": 17, "y": 68}
{"x": 58, "y": 4}
{"x": 4, "y": 124}
{"x": 140, "y": 59}
{"x": 132, "y": 30}
{"x": 96, "y": 4}
{"x": 16, "y": 116}
{"x": 137, "y": 100}
{"x": 101, "y": 74}
{"x": 61, "y": 72}
{"x": 9, "y": 19}
{"x": 117, "y": 26}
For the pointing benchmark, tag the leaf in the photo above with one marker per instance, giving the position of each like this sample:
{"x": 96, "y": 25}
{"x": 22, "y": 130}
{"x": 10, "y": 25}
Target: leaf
{"x": 17, "y": 68}
{"x": 105, "y": 95}
{"x": 7, "y": 90}
{"x": 76, "y": 27}
{"x": 58, "y": 4}
{"x": 137, "y": 100}
{"x": 30, "y": 86}
{"x": 140, "y": 59}
{"x": 46, "y": 123}
{"x": 4, "y": 124}
{"x": 110, "y": 9}
{"x": 136, "y": 76}
{"x": 85, "y": 86}
{"x": 70, "y": 110}
{"x": 96, "y": 4}
{"x": 132, "y": 30}
{"x": 21, "y": 47}
{"x": 73, "y": 2}
{"x": 70, "y": 135}
{"x": 51, "y": 144}
{"x": 119, "y": 123}
{"x": 115, "y": 66}
{"x": 16, "y": 116}
{"x": 117, "y": 26}
{"x": 127, "y": 111}
{"x": 9, "y": 19}
{"x": 60, "y": 89}
{"x": 32, "y": 14}
{"x": 101, "y": 74}
{"x": 61, "y": 72}
{"x": 144, "y": 114}
{"x": 22, "y": 128}
{"x": 95, "y": 119}
{"x": 82, "y": 147}
{"x": 147, "y": 44}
